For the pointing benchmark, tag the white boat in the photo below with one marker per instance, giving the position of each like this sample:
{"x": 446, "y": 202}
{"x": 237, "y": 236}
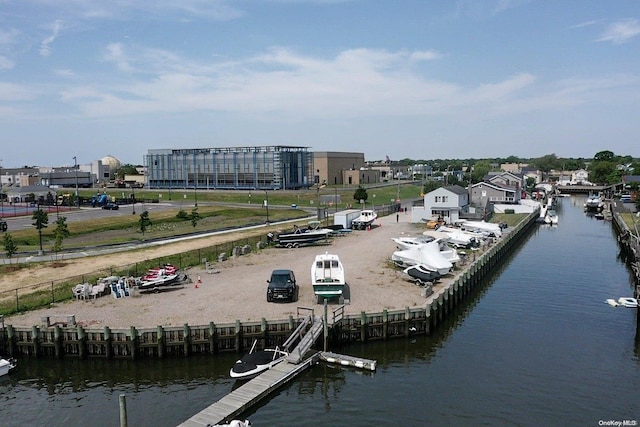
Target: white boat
{"x": 628, "y": 302}
{"x": 235, "y": 423}
{"x": 255, "y": 362}
{"x": 408, "y": 242}
{"x": 366, "y": 218}
{"x": 551, "y": 217}
{"x": 457, "y": 238}
{"x": 327, "y": 276}
{"x": 594, "y": 203}
{"x": 428, "y": 255}
{"x": 483, "y": 226}
{"x": 612, "y": 302}
{"x": 6, "y": 365}
{"x": 162, "y": 280}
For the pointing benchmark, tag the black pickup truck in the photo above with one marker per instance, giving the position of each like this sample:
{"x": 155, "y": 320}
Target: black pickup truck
{"x": 282, "y": 286}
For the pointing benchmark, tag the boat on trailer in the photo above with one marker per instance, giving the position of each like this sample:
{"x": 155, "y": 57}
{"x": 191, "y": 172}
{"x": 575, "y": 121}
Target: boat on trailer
{"x": 327, "y": 277}
{"x": 364, "y": 221}
{"x": 255, "y": 362}
{"x": 421, "y": 274}
{"x": 300, "y": 236}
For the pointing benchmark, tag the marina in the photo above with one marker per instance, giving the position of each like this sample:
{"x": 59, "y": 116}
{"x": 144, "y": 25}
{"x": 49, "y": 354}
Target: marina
{"x": 483, "y": 360}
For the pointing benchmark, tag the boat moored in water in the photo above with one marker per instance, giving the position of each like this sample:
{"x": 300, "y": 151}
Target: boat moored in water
{"x": 628, "y": 302}
{"x": 6, "y": 365}
{"x": 255, "y": 362}
{"x": 594, "y": 203}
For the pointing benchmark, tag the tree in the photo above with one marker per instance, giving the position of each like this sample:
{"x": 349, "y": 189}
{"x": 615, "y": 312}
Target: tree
{"x": 10, "y": 246}
{"x": 59, "y": 233}
{"x": 605, "y": 155}
{"x": 41, "y": 220}
{"x": 144, "y": 222}
{"x": 547, "y": 162}
{"x": 126, "y": 169}
{"x": 604, "y": 172}
{"x": 360, "y": 194}
{"x": 195, "y": 217}
{"x": 480, "y": 169}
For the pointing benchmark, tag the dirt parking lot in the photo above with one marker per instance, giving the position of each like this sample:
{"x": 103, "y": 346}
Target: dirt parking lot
{"x": 237, "y": 288}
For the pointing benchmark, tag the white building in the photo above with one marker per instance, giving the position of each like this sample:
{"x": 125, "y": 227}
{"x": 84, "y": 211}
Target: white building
{"x": 445, "y": 202}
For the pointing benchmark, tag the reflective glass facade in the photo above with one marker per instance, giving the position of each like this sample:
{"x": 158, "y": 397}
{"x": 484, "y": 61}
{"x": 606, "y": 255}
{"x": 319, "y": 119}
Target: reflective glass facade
{"x": 271, "y": 167}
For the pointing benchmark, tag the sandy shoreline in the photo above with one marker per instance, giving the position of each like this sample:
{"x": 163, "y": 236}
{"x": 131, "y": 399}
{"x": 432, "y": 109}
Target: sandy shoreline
{"x": 237, "y": 291}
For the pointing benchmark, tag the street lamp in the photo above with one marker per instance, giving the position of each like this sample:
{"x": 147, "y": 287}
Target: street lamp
{"x": 324, "y": 184}
{"x": 133, "y": 201}
{"x": 195, "y": 187}
{"x": 266, "y": 204}
{"x": 75, "y": 167}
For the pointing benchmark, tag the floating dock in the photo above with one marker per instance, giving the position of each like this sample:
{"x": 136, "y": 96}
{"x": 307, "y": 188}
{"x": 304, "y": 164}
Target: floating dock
{"x": 242, "y": 398}
{"x": 344, "y": 360}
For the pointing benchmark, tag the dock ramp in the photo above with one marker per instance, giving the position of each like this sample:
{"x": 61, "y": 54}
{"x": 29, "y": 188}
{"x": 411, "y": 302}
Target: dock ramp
{"x": 247, "y": 395}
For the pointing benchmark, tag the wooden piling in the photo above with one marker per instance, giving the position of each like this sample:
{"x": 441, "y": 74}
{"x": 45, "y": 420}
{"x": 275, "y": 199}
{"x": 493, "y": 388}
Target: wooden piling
{"x": 57, "y": 342}
{"x": 160, "y": 344}
{"x": 186, "y": 340}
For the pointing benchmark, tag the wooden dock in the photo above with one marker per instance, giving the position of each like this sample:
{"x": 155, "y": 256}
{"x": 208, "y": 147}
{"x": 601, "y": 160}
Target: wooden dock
{"x": 239, "y": 400}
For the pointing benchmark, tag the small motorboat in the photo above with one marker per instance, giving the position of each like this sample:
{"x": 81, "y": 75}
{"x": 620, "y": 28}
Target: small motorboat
{"x": 628, "y": 302}
{"x": 6, "y": 365}
{"x": 235, "y": 423}
{"x": 256, "y": 362}
{"x": 612, "y": 302}
{"x": 421, "y": 274}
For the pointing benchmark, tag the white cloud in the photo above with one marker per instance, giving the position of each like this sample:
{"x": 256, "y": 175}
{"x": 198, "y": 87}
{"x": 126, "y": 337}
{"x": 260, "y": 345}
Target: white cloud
{"x": 14, "y": 92}
{"x": 114, "y": 52}
{"x": 283, "y": 85}
{"x": 621, "y": 31}
{"x": 6, "y": 64}
{"x": 64, "y": 72}
{"x": 45, "y": 46}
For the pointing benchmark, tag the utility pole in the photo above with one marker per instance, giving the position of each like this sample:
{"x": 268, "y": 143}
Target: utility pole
{"x": 75, "y": 167}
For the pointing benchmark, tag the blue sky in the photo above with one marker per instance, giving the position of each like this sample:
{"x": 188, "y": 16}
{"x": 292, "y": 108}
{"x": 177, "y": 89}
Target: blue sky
{"x": 417, "y": 79}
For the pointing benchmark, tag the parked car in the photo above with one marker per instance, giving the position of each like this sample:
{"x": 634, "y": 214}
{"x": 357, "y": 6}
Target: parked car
{"x": 3, "y": 225}
{"x": 111, "y": 206}
{"x": 282, "y": 286}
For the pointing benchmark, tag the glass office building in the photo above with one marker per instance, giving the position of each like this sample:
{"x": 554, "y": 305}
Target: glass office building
{"x": 261, "y": 168}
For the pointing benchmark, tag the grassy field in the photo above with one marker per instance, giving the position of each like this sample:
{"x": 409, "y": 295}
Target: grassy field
{"x": 217, "y": 209}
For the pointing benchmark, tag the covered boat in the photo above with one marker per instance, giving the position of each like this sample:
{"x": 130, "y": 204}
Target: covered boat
{"x": 256, "y": 362}
{"x": 428, "y": 255}
{"x": 327, "y": 276}
{"x": 421, "y": 274}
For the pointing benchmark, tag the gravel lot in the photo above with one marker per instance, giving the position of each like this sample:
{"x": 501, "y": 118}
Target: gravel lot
{"x": 237, "y": 289}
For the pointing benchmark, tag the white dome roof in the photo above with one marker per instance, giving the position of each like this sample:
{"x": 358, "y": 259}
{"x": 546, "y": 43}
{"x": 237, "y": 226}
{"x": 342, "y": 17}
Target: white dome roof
{"x": 112, "y": 162}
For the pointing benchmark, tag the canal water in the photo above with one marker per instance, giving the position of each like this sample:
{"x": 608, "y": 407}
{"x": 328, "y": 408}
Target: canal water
{"x": 536, "y": 345}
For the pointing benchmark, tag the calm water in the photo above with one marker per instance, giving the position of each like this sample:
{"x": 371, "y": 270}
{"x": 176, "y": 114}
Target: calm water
{"x": 536, "y": 346}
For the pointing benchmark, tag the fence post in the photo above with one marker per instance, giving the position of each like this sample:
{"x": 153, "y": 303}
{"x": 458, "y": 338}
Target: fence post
{"x": 17, "y": 302}
{"x": 53, "y": 295}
